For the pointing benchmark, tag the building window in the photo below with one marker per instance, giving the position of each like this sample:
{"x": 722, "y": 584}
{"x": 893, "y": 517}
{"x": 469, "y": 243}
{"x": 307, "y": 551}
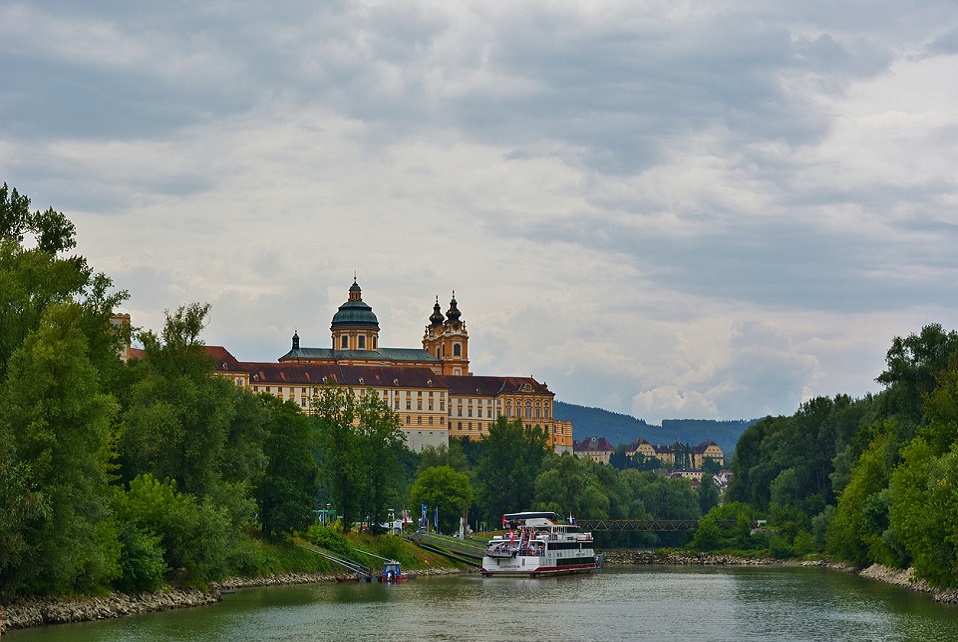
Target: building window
{"x": 419, "y": 420}
{"x": 397, "y": 404}
{"x": 456, "y": 350}
{"x": 419, "y": 404}
{"x": 374, "y": 343}
{"x": 345, "y": 343}
{"x": 255, "y": 388}
{"x": 408, "y": 419}
{"x": 267, "y": 388}
{"x": 408, "y": 404}
{"x": 430, "y": 420}
{"x": 362, "y": 342}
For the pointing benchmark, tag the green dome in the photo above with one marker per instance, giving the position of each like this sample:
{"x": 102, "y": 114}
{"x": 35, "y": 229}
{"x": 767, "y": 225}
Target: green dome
{"x": 355, "y": 313}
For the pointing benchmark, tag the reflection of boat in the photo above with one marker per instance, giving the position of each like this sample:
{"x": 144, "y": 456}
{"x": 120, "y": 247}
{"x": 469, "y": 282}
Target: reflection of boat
{"x": 393, "y": 573}
{"x": 538, "y": 545}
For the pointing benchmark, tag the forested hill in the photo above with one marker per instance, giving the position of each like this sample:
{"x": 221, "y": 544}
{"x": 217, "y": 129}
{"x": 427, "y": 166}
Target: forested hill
{"x": 622, "y": 429}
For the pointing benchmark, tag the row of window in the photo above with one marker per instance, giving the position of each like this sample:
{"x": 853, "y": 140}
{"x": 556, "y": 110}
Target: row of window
{"x": 528, "y": 412}
{"x": 360, "y": 342}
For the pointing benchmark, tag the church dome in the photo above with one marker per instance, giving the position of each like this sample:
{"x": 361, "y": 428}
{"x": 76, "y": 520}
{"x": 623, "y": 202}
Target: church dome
{"x": 355, "y": 313}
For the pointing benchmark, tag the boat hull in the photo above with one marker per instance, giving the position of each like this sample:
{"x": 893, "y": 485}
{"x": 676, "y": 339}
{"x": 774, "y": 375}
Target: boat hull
{"x": 531, "y": 567}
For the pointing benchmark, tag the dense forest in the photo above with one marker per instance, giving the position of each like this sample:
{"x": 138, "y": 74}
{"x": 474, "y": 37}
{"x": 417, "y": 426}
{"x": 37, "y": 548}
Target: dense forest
{"x": 130, "y": 475}
{"x": 872, "y": 480}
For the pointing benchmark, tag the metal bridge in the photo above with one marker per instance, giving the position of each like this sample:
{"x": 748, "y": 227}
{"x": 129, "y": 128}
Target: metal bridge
{"x": 645, "y": 525}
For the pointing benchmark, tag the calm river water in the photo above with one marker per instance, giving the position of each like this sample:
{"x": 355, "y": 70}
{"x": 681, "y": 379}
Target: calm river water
{"x": 688, "y": 603}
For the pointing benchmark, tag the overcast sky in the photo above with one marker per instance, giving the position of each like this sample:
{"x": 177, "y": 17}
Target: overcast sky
{"x": 667, "y": 209}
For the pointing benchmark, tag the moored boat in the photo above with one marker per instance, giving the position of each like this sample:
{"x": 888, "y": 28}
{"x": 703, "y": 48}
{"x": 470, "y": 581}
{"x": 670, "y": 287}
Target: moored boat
{"x": 393, "y": 573}
{"x": 538, "y": 545}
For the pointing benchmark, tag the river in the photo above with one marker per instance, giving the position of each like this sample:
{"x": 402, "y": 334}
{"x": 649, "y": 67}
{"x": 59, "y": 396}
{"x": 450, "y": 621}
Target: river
{"x": 649, "y": 603}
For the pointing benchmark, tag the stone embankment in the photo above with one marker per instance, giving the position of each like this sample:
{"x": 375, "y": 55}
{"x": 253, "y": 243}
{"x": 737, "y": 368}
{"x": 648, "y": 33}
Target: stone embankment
{"x": 636, "y": 557}
{"x": 40, "y": 611}
{"x": 906, "y": 578}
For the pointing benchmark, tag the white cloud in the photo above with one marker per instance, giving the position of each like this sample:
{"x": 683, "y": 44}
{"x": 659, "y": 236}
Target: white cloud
{"x": 712, "y": 210}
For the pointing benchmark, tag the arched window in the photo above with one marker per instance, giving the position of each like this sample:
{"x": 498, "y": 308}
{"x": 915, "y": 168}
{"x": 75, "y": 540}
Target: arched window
{"x": 456, "y": 350}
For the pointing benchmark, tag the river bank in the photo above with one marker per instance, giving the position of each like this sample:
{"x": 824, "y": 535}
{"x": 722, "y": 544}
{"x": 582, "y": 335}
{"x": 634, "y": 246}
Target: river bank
{"x": 904, "y": 578}
{"x": 41, "y": 611}
{"x": 618, "y": 557}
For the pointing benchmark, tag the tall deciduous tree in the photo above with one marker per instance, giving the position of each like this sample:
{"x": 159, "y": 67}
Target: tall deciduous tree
{"x": 445, "y": 488}
{"x": 509, "y": 466}
{"x": 381, "y": 442}
{"x": 59, "y": 421}
{"x": 179, "y": 414}
{"x": 335, "y": 410}
{"x": 286, "y": 490}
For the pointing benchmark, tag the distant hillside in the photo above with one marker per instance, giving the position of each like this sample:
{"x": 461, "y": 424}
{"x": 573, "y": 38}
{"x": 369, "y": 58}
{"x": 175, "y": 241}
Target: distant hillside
{"x": 622, "y": 429}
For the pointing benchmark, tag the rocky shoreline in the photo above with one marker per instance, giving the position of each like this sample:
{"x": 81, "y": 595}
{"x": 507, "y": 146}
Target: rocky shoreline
{"x": 904, "y": 578}
{"x": 41, "y": 611}
{"x": 681, "y": 558}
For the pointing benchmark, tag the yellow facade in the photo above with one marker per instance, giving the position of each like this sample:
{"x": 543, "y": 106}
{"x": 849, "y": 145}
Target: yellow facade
{"x": 431, "y": 389}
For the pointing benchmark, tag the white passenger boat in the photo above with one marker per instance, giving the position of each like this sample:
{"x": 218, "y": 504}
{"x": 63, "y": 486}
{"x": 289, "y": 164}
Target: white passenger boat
{"x": 536, "y": 544}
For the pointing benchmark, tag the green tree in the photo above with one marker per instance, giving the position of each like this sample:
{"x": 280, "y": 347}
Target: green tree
{"x": 196, "y": 535}
{"x": 452, "y": 455}
{"x": 58, "y": 421}
{"x": 560, "y": 485}
{"x": 510, "y": 462}
{"x": 382, "y": 441}
{"x": 179, "y": 416}
{"x": 286, "y": 490}
{"x": 710, "y": 536}
{"x": 446, "y": 488}
{"x": 853, "y": 534}
{"x": 708, "y": 494}
{"x": 913, "y": 363}
{"x": 52, "y": 231}
{"x": 342, "y": 465}
{"x": 923, "y": 510}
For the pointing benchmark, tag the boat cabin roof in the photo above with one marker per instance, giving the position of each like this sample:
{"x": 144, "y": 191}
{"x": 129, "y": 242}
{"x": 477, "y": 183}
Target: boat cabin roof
{"x": 530, "y": 519}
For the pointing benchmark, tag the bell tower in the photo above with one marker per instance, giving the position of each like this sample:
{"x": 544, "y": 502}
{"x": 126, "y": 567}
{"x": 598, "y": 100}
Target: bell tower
{"x": 447, "y": 339}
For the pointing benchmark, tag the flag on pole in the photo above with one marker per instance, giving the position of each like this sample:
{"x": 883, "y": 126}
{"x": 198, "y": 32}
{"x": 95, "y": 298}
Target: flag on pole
{"x": 424, "y": 521}
{"x": 435, "y": 519}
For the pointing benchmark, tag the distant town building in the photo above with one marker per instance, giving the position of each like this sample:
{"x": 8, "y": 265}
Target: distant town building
{"x": 597, "y": 449}
{"x": 671, "y": 454}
